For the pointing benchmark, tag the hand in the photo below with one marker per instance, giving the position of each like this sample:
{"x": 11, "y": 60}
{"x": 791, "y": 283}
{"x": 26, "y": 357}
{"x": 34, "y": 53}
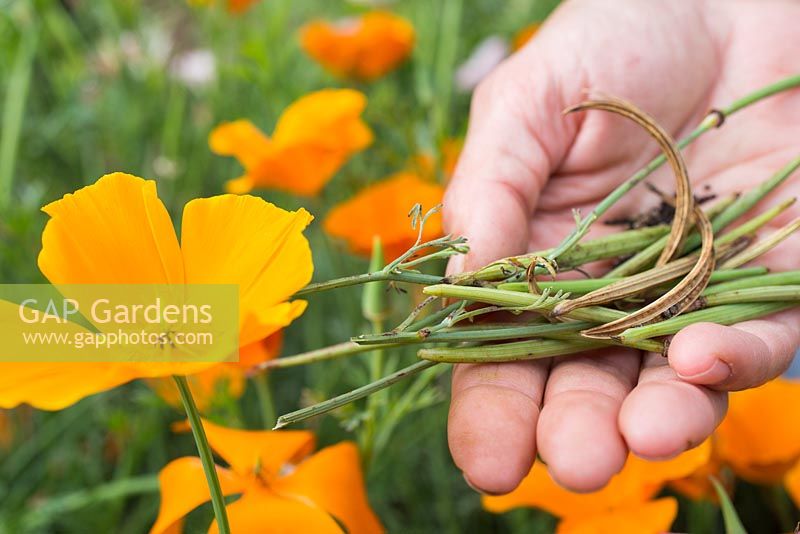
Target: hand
{"x": 523, "y": 169}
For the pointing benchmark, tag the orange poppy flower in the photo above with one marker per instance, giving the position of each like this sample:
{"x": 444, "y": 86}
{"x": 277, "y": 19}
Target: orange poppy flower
{"x": 449, "y": 152}
{"x": 117, "y": 231}
{"x": 697, "y": 486}
{"x": 792, "y": 483}
{"x": 313, "y": 138}
{"x": 625, "y": 500}
{"x": 226, "y": 380}
{"x": 760, "y": 438}
{"x": 651, "y": 517}
{"x": 283, "y": 487}
{"x": 233, "y": 6}
{"x": 382, "y": 209}
{"x": 365, "y": 48}
{"x": 524, "y": 35}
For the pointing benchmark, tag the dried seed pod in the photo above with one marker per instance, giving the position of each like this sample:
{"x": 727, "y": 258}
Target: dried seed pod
{"x": 678, "y": 298}
{"x": 684, "y": 202}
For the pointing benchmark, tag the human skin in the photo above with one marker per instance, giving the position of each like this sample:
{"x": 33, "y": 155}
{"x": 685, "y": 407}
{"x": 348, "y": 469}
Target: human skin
{"x": 525, "y": 167}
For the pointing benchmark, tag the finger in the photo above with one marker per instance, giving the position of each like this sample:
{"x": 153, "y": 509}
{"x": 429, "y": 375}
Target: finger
{"x": 492, "y": 423}
{"x": 736, "y": 357}
{"x": 577, "y": 432}
{"x": 664, "y": 416}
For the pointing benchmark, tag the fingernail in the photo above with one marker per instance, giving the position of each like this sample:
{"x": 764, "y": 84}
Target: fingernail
{"x": 475, "y": 488}
{"x": 719, "y": 372}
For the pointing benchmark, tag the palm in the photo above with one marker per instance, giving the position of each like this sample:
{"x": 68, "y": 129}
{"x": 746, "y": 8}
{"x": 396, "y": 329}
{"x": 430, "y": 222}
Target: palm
{"x": 584, "y": 413}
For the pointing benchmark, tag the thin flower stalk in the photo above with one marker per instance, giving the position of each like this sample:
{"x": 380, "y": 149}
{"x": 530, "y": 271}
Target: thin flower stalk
{"x": 751, "y": 226}
{"x": 645, "y": 257}
{"x": 352, "y": 396}
{"x": 724, "y": 315}
{"x": 763, "y": 246}
{"x": 633, "y": 285}
{"x": 519, "y": 301}
{"x": 469, "y": 334}
{"x": 340, "y": 350}
{"x": 610, "y": 246}
{"x": 747, "y": 201}
{"x": 206, "y": 456}
{"x": 580, "y": 287}
{"x": 786, "y": 293}
{"x": 379, "y": 276}
{"x": 522, "y": 350}
{"x": 773, "y": 279}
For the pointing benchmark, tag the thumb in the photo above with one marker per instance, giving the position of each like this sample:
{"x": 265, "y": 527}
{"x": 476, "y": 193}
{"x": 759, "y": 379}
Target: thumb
{"x": 506, "y": 161}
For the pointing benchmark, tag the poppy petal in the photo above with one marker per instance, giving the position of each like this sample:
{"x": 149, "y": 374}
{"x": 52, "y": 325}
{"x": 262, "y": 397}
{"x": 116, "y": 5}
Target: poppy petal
{"x": 183, "y": 488}
{"x": 638, "y": 481}
{"x": 261, "y": 512}
{"x": 241, "y": 139}
{"x": 366, "y": 47}
{"x": 331, "y": 111}
{"x": 246, "y": 241}
{"x": 759, "y": 438}
{"x": 652, "y": 517}
{"x": 382, "y": 209}
{"x": 115, "y": 231}
{"x": 53, "y": 386}
{"x": 244, "y": 450}
{"x": 260, "y": 351}
{"x": 332, "y": 479}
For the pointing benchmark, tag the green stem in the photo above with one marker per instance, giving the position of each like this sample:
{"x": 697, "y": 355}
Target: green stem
{"x": 711, "y": 121}
{"x": 725, "y": 315}
{"x": 786, "y": 293}
{"x": 379, "y": 276}
{"x": 747, "y": 201}
{"x": 264, "y": 394}
{"x": 513, "y": 299}
{"x": 467, "y": 334}
{"x": 609, "y": 246}
{"x": 352, "y": 396}
{"x": 774, "y": 279}
{"x": 206, "y": 457}
{"x": 578, "y": 287}
{"x": 341, "y": 350}
{"x": 647, "y": 256}
{"x": 521, "y": 350}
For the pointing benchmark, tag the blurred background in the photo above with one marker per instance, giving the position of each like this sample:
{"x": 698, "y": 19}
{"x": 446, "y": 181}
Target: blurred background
{"x": 90, "y": 87}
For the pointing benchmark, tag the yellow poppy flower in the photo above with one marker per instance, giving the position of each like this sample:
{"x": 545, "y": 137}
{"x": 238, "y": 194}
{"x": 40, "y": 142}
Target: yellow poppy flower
{"x": 313, "y": 139}
{"x": 364, "y": 48}
{"x": 524, "y": 35}
{"x": 382, "y": 209}
{"x": 760, "y": 438}
{"x": 283, "y": 487}
{"x": 624, "y": 499}
{"x": 117, "y": 231}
